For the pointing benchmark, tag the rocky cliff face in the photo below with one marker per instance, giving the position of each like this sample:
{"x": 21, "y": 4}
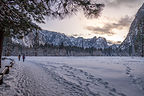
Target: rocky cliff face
{"x": 57, "y": 39}
{"x": 134, "y": 42}
{"x": 47, "y": 43}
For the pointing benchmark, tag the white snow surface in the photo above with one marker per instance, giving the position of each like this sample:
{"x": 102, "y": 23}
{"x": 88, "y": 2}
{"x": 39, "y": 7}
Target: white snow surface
{"x": 75, "y": 76}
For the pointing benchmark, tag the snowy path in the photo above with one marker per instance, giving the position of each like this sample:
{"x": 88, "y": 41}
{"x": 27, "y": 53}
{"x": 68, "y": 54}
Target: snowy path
{"x": 76, "y": 76}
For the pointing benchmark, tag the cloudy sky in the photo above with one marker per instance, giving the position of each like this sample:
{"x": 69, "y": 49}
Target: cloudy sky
{"x": 113, "y": 22}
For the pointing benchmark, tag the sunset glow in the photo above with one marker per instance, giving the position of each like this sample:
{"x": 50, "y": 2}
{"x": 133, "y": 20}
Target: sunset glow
{"x": 112, "y": 24}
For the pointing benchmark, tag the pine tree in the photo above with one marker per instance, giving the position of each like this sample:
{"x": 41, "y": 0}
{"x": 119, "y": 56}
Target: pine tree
{"x": 36, "y": 44}
{"x": 17, "y": 16}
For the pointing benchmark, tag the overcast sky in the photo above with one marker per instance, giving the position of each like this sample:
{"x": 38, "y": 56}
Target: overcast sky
{"x": 113, "y": 22}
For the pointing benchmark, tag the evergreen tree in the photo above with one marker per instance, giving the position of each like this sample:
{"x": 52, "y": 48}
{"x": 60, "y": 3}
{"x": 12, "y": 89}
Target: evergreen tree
{"x": 7, "y": 45}
{"x": 36, "y": 43}
{"x": 17, "y": 16}
{"x": 61, "y": 46}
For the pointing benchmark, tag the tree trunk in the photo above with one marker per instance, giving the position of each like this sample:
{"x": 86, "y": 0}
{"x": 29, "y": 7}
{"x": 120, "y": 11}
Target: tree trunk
{"x": 1, "y": 44}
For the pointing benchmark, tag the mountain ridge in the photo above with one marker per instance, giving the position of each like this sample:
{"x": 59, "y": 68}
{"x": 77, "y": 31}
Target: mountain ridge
{"x": 133, "y": 42}
{"x": 57, "y": 39}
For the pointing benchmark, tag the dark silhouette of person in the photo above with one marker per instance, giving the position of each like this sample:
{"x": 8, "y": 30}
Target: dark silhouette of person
{"x": 23, "y": 57}
{"x": 19, "y": 56}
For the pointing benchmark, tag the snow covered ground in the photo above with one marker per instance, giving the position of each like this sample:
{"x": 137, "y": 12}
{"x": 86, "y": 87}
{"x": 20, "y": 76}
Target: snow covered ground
{"x": 75, "y": 76}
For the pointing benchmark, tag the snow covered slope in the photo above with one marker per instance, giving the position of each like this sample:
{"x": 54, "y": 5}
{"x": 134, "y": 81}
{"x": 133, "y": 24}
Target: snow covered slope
{"x": 75, "y": 76}
{"x": 57, "y": 39}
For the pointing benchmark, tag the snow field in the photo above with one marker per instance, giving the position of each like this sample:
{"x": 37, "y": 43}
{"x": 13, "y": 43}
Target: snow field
{"x": 76, "y": 76}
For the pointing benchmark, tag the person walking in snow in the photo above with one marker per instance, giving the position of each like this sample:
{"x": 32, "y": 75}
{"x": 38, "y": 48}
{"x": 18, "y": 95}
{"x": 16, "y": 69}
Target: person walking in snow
{"x": 19, "y": 56}
{"x": 23, "y": 57}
